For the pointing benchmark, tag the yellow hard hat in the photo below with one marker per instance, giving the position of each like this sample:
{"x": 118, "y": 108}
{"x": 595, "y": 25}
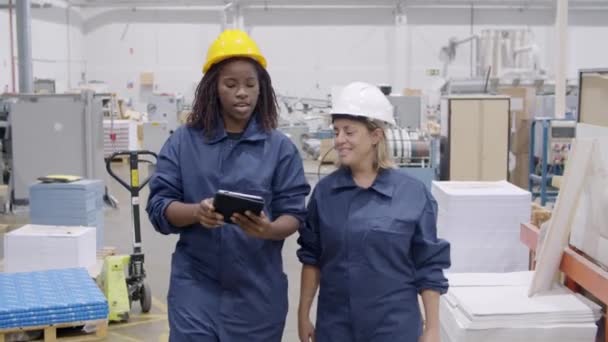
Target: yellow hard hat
{"x": 233, "y": 43}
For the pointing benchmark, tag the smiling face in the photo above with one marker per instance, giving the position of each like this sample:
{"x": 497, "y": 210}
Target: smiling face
{"x": 238, "y": 89}
{"x": 355, "y": 142}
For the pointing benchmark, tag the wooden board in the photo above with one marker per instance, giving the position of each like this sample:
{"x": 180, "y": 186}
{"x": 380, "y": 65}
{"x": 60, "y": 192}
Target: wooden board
{"x": 556, "y": 240}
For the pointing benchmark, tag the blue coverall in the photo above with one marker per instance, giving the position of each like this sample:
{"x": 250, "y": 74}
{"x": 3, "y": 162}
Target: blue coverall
{"x": 226, "y": 285}
{"x": 376, "y": 249}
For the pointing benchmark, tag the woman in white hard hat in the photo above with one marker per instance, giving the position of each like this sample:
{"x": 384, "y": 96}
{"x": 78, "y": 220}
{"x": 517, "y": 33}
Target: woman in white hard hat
{"x": 369, "y": 242}
{"x": 227, "y": 279}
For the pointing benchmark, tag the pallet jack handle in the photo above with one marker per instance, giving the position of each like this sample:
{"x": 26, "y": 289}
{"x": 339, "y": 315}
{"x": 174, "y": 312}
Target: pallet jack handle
{"x": 135, "y": 184}
{"x": 134, "y": 187}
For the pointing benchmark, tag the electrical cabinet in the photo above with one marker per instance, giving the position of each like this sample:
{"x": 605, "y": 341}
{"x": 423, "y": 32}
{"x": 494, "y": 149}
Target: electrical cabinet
{"x": 165, "y": 107}
{"x": 475, "y": 138}
{"x": 55, "y": 134}
{"x": 407, "y": 110}
{"x": 156, "y": 134}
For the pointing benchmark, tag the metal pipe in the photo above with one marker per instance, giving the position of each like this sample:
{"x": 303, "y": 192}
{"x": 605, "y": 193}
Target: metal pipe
{"x": 12, "y": 43}
{"x": 561, "y": 21}
{"x": 69, "y": 45}
{"x": 24, "y": 45}
{"x": 472, "y": 17}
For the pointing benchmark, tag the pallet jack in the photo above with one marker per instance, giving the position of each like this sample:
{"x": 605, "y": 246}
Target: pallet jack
{"x": 122, "y": 278}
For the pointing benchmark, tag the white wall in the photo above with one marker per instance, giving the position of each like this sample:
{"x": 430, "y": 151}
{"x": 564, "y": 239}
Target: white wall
{"x": 172, "y": 44}
{"x": 311, "y": 50}
{"x": 50, "y": 36}
{"x": 308, "y": 50}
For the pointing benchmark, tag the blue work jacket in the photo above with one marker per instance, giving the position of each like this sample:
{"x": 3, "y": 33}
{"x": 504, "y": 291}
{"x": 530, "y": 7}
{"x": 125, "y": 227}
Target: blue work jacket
{"x": 376, "y": 249}
{"x": 226, "y": 285}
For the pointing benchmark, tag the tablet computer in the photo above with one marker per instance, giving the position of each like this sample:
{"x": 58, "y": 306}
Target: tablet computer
{"x": 230, "y": 202}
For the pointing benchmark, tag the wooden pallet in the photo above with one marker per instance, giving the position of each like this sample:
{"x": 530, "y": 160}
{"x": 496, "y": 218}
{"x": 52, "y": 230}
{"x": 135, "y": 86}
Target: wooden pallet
{"x": 50, "y": 331}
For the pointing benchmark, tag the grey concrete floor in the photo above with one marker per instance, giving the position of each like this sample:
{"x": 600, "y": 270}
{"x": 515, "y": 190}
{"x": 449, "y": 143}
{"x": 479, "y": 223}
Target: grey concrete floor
{"x": 157, "y": 249}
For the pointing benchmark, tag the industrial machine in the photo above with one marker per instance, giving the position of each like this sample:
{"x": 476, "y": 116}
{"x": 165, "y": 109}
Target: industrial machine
{"x": 555, "y": 140}
{"x": 409, "y": 148}
{"x": 44, "y": 86}
{"x": 156, "y": 134}
{"x": 498, "y": 53}
{"x": 297, "y": 132}
{"x": 124, "y": 286}
{"x": 70, "y": 125}
{"x": 414, "y": 153}
{"x": 166, "y": 107}
{"x": 408, "y": 110}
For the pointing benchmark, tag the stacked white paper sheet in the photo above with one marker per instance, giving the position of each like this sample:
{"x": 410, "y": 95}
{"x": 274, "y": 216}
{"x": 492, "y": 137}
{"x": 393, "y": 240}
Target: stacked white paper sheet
{"x": 496, "y": 307}
{"x": 481, "y": 220}
{"x": 77, "y": 203}
{"x": 126, "y": 136}
{"x": 45, "y": 247}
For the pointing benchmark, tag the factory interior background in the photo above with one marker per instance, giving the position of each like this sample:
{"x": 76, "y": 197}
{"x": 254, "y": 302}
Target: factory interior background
{"x": 501, "y": 110}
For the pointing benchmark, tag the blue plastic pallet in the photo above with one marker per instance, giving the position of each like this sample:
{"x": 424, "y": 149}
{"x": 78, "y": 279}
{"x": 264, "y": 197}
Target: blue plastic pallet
{"x": 49, "y": 297}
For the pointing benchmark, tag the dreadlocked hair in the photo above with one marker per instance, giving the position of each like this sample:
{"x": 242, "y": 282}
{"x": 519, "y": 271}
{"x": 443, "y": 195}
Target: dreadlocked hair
{"x": 207, "y": 109}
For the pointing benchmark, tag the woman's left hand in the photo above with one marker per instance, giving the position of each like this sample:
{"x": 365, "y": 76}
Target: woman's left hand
{"x": 430, "y": 335}
{"x": 256, "y": 226}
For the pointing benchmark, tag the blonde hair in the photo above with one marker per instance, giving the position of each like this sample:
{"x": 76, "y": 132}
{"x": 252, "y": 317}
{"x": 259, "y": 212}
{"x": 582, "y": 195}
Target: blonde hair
{"x": 383, "y": 159}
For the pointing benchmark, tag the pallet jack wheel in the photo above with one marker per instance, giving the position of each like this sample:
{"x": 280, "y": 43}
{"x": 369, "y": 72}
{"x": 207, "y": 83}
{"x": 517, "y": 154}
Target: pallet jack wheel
{"x": 145, "y": 298}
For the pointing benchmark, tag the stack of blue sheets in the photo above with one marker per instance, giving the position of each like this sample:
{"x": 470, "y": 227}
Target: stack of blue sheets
{"x": 49, "y": 297}
{"x": 69, "y": 204}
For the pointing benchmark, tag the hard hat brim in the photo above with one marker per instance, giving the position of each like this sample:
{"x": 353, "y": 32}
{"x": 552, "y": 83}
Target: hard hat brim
{"x": 258, "y": 58}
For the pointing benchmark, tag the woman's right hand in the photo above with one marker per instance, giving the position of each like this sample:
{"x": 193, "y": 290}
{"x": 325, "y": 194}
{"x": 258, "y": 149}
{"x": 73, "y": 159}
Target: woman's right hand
{"x": 207, "y": 216}
{"x": 306, "y": 330}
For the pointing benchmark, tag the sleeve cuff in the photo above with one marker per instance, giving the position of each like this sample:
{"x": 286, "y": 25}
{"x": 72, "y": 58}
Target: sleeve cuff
{"x": 441, "y": 289}
{"x": 165, "y": 227}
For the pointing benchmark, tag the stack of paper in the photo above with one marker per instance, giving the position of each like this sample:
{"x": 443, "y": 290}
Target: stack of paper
{"x": 37, "y": 247}
{"x": 49, "y": 297}
{"x": 126, "y": 136}
{"x": 497, "y": 308}
{"x": 77, "y": 203}
{"x": 482, "y": 220}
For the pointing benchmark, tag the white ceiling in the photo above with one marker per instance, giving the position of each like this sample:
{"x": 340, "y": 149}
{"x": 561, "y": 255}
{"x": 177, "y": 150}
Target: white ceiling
{"x": 520, "y": 4}
{"x": 574, "y": 4}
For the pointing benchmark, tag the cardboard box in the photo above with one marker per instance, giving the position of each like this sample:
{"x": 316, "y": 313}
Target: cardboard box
{"x": 325, "y": 155}
{"x": 140, "y": 132}
{"x": 523, "y": 107}
{"x": 523, "y": 101}
{"x": 44, "y": 247}
{"x": 520, "y": 139}
{"x": 412, "y": 92}
{"x": 146, "y": 79}
{"x": 519, "y": 176}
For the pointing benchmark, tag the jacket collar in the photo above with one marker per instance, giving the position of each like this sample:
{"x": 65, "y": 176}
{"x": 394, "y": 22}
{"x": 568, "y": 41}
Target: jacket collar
{"x": 253, "y": 131}
{"x": 382, "y": 184}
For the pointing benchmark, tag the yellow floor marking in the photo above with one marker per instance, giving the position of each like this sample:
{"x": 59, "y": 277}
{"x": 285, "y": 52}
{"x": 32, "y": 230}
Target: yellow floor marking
{"x": 134, "y": 324}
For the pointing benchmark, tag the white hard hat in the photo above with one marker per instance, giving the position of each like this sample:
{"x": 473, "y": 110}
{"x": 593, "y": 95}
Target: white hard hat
{"x": 366, "y": 100}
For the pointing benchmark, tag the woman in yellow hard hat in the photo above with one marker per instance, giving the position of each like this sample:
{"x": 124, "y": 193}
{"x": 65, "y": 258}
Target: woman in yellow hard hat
{"x": 227, "y": 280}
